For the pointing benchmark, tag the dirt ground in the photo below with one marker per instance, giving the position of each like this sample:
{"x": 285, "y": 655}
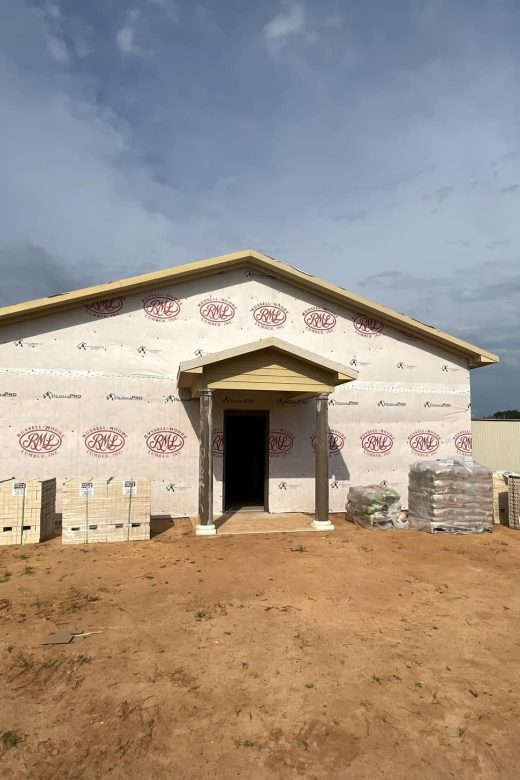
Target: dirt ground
{"x": 353, "y": 654}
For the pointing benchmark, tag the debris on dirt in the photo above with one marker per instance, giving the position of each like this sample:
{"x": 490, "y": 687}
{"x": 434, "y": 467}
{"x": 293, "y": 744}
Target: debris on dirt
{"x": 61, "y": 637}
{"x": 5, "y": 604}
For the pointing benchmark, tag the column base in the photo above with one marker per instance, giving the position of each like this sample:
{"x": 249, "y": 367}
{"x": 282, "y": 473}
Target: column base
{"x": 322, "y": 525}
{"x": 205, "y": 530}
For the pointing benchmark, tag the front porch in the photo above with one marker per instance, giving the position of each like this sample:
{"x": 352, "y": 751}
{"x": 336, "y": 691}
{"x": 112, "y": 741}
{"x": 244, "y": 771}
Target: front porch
{"x": 267, "y": 366}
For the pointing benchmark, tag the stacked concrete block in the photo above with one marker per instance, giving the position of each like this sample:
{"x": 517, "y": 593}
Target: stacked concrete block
{"x": 514, "y": 501}
{"x": 106, "y": 510}
{"x": 27, "y": 511}
{"x": 452, "y": 496}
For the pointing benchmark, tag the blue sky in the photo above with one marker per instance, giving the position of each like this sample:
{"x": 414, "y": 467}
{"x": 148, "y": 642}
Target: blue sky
{"x": 370, "y": 142}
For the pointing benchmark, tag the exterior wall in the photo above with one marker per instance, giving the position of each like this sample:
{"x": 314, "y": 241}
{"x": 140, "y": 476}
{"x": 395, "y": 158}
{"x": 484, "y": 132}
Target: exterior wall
{"x": 496, "y": 444}
{"x": 92, "y": 392}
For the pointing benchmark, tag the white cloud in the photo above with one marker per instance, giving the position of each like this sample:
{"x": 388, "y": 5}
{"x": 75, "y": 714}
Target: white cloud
{"x": 169, "y": 8}
{"x": 287, "y": 22}
{"x": 125, "y": 36}
{"x": 58, "y": 50}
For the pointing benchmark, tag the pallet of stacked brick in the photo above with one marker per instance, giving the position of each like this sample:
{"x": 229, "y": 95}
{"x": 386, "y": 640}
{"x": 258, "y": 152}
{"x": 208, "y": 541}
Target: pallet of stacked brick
{"x": 129, "y": 506}
{"x": 454, "y": 495}
{"x": 514, "y": 501}
{"x": 84, "y": 507}
{"x": 27, "y": 510}
{"x": 106, "y": 510}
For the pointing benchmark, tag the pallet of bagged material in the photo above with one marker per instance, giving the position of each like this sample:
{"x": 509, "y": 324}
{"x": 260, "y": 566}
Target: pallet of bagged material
{"x": 27, "y": 510}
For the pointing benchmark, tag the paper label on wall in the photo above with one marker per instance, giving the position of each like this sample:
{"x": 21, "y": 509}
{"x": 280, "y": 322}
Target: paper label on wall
{"x": 19, "y": 488}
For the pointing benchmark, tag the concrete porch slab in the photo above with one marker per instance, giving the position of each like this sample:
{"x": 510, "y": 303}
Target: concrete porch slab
{"x": 262, "y": 523}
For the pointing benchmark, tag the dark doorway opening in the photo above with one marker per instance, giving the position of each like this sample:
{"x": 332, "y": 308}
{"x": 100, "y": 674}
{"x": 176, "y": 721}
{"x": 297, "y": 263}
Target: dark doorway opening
{"x": 245, "y": 460}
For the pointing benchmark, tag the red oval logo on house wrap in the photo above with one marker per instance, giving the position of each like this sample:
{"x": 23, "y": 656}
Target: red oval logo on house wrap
{"x": 377, "y": 442}
{"x": 40, "y": 442}
{"x": 107, "y": 308}
{"x": 367, "y": 326}
{"x": 104, "y": 442}
{"x": 218, "y": 443}
{"x": 424, "y": 442}
{"x": 319, "y": 320}
{"x": 269, "y": 315}
{"x": 161, "y": 307}
{"x": 217, "y": 311}
{"x": 165, "y": 441}
{"x": 464, "y": 442}
{"x": 280, "y": 442}
{"x": 336, "y": 442}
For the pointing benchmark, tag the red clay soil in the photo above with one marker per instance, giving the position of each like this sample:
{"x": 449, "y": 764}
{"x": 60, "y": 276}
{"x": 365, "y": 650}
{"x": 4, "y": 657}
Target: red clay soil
{"x": 354, "y": 654}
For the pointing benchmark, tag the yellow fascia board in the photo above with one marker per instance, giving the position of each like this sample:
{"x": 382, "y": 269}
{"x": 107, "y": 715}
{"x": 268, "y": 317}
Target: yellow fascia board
{"x": 250, "y": 258}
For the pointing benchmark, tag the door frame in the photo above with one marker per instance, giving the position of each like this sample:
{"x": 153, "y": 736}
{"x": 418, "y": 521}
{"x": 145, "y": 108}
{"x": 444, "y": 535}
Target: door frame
{"x": 247, "y": 413}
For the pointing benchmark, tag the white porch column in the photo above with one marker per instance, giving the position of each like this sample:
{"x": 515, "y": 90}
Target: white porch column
{"x": 205, "y": 526}
{"x": 321, "y": 520}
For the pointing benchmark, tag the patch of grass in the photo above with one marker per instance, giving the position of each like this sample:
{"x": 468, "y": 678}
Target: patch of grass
{"x": 29, "y": 570}
{"x": 300, "y": 549}
{"x": 52, "y": 663}
{"x": 365, "y": 548}
{"x": 203, "y": 614}
{"x": 21, "y": 661}
{"x": 11, "y": 739}
{"x": 93, "y": 598}
{"x": 249, "y": 743}
{"x": 6, "y": 576}
{"x": 83, "y": 659}
{"x": 10, "y": 648}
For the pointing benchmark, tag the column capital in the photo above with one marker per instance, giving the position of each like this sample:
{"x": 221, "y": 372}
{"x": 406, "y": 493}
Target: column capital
{"x": 207, "y": 391}
{"x": 323, "y": 396}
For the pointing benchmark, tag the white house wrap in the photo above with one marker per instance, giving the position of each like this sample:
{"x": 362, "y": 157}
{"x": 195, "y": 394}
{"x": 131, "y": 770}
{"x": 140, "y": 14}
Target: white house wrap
{"x": 89, "y": 383}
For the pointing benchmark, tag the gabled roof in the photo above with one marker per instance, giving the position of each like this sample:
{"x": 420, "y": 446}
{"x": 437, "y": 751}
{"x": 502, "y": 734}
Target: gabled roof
{"x": 265, "y": 364}
{"x": 304, "y": 355}
{"x": 251, "y": 259}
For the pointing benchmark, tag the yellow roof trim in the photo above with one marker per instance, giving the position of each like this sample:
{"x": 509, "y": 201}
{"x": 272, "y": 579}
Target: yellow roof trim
{"x": 195, "y": 365}
{"x": 250, "y": 258}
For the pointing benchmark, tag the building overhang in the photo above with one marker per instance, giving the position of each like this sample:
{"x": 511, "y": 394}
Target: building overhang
{"x": 266, "y": 365}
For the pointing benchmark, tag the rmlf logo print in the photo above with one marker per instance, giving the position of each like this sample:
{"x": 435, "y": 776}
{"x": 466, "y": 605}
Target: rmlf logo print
{"x": 464, "y": 442}
{"x": 217, "y": 311}
{"x": 218, "y": 443}
{"x": 40, "y": 442}
{"x": 424, "y": 442}
{"x": 165, "y": 442}
{"x": 270, "y": 315}
{"x": 367, "y": 326}
{"x": 377, "y": 443}
{"x": 161, "y": 308}
{"x": 336, "y": 442}
{"x": 319, "y": 320}
{"x": 104, "y": 442}
{"x": 107, "y": 308}
{"x": 280, "y": 443}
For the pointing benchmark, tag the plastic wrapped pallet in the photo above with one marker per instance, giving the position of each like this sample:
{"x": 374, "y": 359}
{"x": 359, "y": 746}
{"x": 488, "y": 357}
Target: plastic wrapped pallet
{"x": 375, "y": 507}
{"x": 454, "y": 495}
{"x": 514, "y": 501}
{"x": 106, "y": 510}
{"x": 27, "y": 511}
{"x": 500, "y": 491}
